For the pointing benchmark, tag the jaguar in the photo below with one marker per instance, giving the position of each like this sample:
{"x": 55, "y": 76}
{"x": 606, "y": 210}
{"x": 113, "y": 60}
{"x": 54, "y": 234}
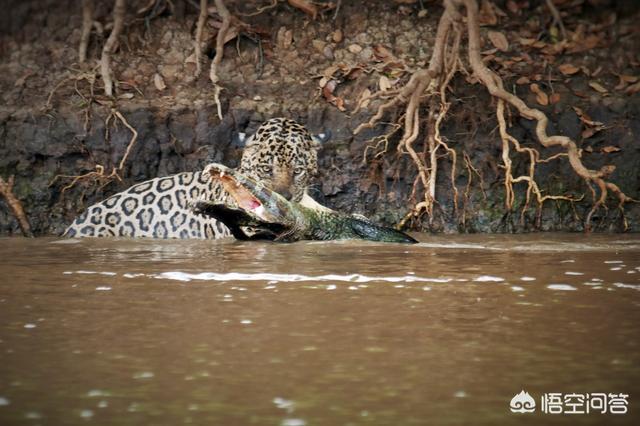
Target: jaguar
{"x": 282, "y": 154}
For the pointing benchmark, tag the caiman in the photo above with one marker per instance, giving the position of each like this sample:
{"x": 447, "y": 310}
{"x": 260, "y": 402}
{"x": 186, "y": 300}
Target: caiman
{"x": 263, "y": 214}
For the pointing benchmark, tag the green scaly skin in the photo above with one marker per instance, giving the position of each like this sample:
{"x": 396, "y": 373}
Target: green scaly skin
{"x": 270, "y": 216}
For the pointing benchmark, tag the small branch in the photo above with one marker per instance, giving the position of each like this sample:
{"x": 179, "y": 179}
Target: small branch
{"x": 110, "y": 45}
{"x": 6, "y": 190}
{"x": 87, "y": 23}
{"x": 222, "y": 33}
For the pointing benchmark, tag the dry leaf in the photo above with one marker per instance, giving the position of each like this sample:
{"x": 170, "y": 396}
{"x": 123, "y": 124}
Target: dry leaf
{"x": 327, "y": 92}
{"x": 190, "y": 59}
{"x": 127, "y": 95}
{"x": 610, "y": 148}
{"x": 541, "y": 97}
{"x": 554, "y": 98}
{"x": 634, "y": 88}
{"x": 526, "y": 41}
{"x": 487, "y": 15}
{"x": 588, "y": 149}
{"x": 585, "y": 118}
{"x": 364, "y": 100}
{"x": 498, "y": 40}
{"x": 598, "y": 87}
{"x": 305, "y": 6}
{"x": 158, "y": 81}
{"x": 384, "y": 83}
{"x": 568, "y": 69}
{"x": 523, "y": 80}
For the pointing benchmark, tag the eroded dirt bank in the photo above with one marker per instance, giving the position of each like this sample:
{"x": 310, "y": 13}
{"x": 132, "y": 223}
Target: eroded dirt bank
{"x": 54, "y": 118}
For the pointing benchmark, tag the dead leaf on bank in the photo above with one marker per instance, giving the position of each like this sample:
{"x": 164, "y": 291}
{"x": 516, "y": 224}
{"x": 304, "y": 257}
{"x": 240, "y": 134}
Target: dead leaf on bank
{"x": 364, "y": 99}
{"x": 541, "y": 97}
{"x": 598, "y": 87}
{"x": 487, "y": 15}
{"x": 499, "y": 40}
{"x": 305, "y": 6}
{"x": 592, "y": 127}
{"x": 554, "y": 98}
{"x": 585, "y": 118}
{"x": 624, "y": 80}
{"x": 523, "y": 80}
{"x": 610, "y": 148}
{"x": 158, "y": 81}
{"x": 384, "y": 83}
{"x": 327, "y": 92}
{"x": 127, "y": 95}
{"x": 634, "y": 88}
{"x": 568, "y": 69}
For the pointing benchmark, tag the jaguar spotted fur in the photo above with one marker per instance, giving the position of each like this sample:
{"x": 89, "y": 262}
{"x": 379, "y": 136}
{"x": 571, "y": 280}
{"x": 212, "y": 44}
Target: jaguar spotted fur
{"x": 281, "y": 153}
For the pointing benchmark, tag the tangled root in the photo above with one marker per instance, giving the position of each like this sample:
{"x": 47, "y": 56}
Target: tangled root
{"x": 433, "y": 81}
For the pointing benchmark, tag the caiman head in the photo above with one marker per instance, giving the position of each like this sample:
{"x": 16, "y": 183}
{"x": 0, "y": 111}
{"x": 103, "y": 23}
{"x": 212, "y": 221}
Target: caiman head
{"x": 267, "y": 213}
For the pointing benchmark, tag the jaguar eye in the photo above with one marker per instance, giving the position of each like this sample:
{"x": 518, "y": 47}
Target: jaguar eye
{"x": 298, "y": 170}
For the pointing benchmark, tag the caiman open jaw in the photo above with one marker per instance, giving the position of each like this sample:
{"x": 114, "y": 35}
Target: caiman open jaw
{"x": 243, "y": 197}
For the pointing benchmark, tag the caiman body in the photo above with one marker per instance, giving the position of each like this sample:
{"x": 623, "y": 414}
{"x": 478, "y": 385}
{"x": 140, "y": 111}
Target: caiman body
{"x": 264, "y": 214}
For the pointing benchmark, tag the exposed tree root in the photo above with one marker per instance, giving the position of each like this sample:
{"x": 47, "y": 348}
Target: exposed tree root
{"x": 220, "y": 40}
{"x": 87, "y": 23}
{"x": 197, "y": 43}
{"x": 444, "y": 63}
{"x": 6, "y": 191}
{"x": 110, "y": 46}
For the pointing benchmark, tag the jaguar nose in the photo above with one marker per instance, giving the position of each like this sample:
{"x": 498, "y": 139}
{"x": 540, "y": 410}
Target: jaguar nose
{"x": 286, "y": 193}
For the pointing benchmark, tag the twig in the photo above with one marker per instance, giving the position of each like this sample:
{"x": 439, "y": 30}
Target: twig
{"x": 6, "y": 190}
{"x": 110, "y": 45}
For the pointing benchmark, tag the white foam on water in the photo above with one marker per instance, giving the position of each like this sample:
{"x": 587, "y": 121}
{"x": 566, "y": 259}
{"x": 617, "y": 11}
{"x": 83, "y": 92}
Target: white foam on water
{"x": 525, "y": 278}
{"x": 86, "y": 414}
{"x": 331, "y": 287}
{"x": 612, "y": 261}
{"x": 488, "y": 278}
{"x": 561, "y": 287}
{"x": 29, "y": 325}
{"x": 517, "y": 288}
{"x": 615, "y": 268}
{"x": 103, "y": 288}
{"x": 143, "y": 375}
{"x": 568, "y": 261}
{"x": 263, "y": 276}
{"x": 623, "y": 285}
{"x": 3, "y": 401}
{"x": 573, "y": 273}
{"x": 246, "y": 321}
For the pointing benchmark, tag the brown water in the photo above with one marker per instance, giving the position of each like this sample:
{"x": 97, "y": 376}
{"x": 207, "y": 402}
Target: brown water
{"x": 315, "y": 333}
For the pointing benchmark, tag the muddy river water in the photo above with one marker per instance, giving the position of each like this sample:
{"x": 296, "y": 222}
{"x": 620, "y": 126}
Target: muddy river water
{"x": 448, "y": 331}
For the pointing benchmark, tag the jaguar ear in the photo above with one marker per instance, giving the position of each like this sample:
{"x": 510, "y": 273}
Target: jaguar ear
{"x": 240, "y": 139}
{"x": 323, "y": 137}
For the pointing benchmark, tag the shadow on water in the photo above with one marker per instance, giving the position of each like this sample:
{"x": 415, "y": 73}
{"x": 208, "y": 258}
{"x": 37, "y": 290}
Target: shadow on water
{"x": 446, "y": 331}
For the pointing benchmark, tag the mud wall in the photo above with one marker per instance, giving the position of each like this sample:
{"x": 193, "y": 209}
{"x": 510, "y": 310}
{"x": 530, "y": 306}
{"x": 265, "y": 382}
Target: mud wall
{"x": 47, "y": 138}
